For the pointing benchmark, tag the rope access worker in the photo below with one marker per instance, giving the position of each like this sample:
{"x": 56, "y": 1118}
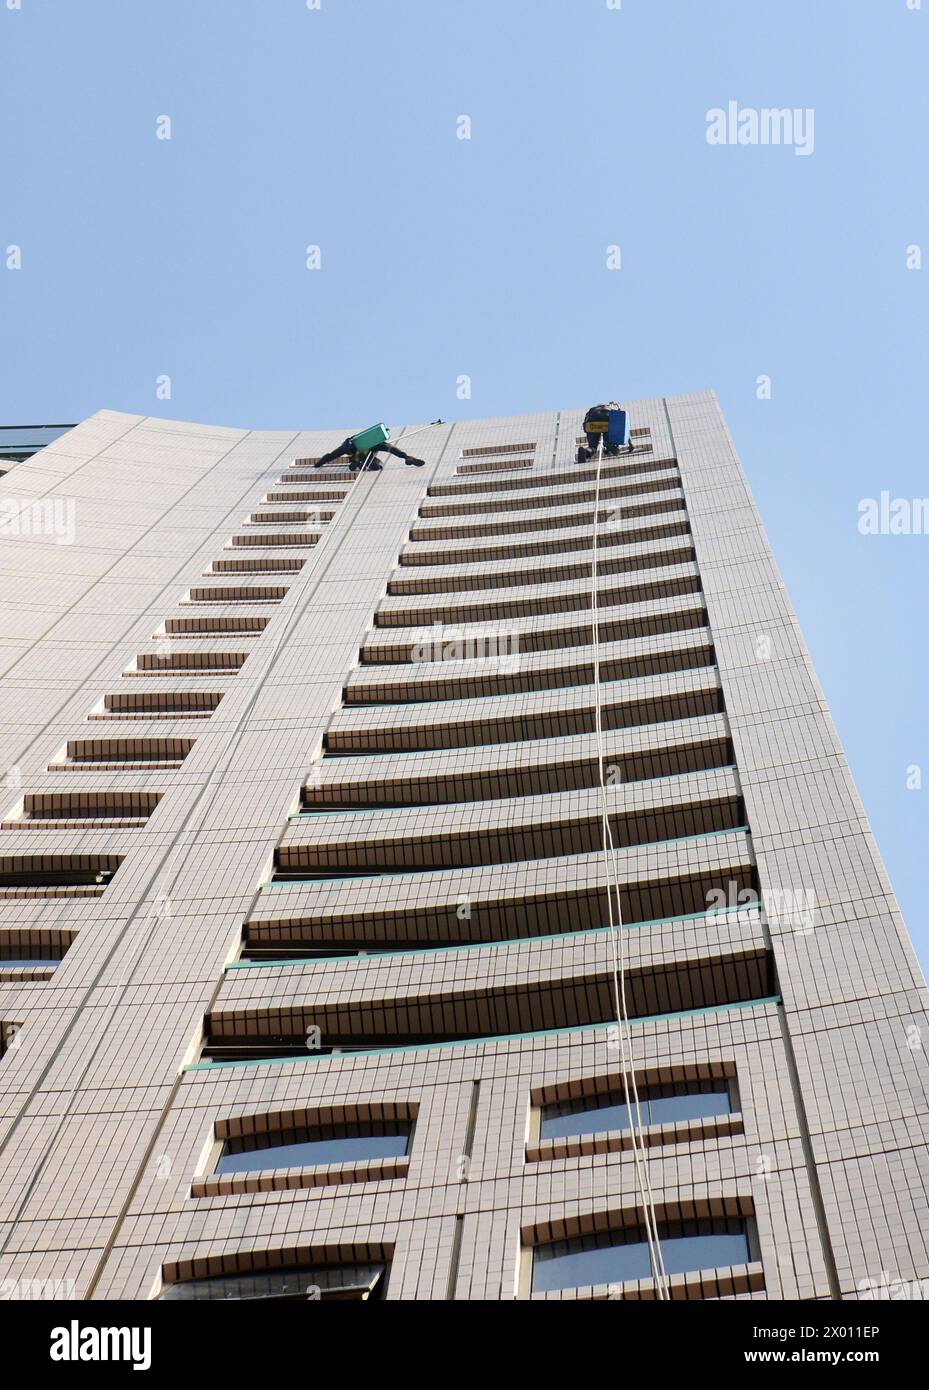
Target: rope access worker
{"x": 608, "y": 422}
{"x": 363, "y": 449}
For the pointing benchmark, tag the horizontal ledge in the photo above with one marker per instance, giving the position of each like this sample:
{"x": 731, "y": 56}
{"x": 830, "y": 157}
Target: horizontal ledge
{"x": 456, "y": 868}
{"x": 483, "y": 1042}
{"x": 369, "y": 956}
{"x": 323, "y": 810}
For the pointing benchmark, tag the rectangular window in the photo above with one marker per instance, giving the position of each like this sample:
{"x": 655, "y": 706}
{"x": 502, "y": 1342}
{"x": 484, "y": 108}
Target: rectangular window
{"x": 33, "y": 963}
{"x": 658, "y": 1105}
{"x": 322, "y": 1144}
{"x": 260, "y": 952}
{"x": 28, "y": 952}
{"x": 61, "y": 871}
{"x": 19, "y": 442}
{"x": 615, "y": 1256}
{"x": 300, "y": 1285}
{"x": 485, "y": 450}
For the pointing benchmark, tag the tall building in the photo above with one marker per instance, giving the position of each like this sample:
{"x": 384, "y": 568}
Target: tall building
{"x": 308, "y": 986}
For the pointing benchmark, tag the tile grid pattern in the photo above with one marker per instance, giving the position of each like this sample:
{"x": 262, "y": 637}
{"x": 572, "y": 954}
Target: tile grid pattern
{"x": 296, "y": 642}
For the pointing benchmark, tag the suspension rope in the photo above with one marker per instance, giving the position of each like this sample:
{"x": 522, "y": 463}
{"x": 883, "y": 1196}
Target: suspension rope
{"x": 617, "y": 937}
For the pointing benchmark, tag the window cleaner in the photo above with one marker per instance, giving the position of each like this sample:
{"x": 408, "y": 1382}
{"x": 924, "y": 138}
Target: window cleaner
{"x": 608, "y": 422}
{"x": 363, "y": 448}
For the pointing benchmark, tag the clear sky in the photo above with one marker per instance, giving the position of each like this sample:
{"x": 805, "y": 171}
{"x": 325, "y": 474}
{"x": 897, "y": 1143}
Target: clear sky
{"x": 338, "y": 127}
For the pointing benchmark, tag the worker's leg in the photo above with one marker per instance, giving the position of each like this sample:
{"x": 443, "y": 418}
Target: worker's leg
{"x": 345, "y": 448}
{"x": 399, "y": 453}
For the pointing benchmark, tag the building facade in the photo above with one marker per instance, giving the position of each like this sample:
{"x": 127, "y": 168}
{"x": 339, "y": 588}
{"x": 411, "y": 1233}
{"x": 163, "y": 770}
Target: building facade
{"x": 306, "y": 983}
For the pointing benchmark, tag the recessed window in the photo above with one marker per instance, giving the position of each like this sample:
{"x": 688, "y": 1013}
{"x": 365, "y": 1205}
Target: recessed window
{"x": 259, "y": 953}
{"x": 27, "y": 950}
{"x": 322, "y": 1144}
{"x": 58, "y": 871}
{"x": 612, "y": 1257}
{"x": 487, "y": 450}
{"x": 658, "y": 1105}
{"x": 356, "y": 1283}
{"x": 36, "y": 963}
{"x": 19, "y": 442}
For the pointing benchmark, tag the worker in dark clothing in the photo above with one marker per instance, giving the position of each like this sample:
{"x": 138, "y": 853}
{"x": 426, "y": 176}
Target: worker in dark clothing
{"x": 354, "y": 449}
{"x": 606, "y": 422}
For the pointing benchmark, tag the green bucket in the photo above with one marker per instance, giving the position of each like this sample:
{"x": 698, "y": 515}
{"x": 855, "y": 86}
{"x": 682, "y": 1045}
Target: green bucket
{"x": 371, "y": 438}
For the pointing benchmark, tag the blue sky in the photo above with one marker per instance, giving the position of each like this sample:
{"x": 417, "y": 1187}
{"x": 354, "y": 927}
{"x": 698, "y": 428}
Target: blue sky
{"x": 440, "y": 257}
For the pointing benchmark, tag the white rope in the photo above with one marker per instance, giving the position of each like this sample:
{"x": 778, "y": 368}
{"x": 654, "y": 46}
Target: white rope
{"x": 627, "y": 1060}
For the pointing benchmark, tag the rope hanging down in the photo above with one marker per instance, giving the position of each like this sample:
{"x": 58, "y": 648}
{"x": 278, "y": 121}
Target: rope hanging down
{"x": 617, "y": 940}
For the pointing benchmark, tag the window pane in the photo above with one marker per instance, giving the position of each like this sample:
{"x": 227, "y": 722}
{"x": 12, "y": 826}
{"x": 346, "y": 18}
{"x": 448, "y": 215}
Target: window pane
{"x": 45, "y": 963}
{"x": 696, "y": 1105}
{"x": 306, "y": 1148}
{"x": 657, "y": 1105}
{"x": 21, "y": 441}
{"x": 613, "y": 1257}
{"x": 590, "y": 1120}
{"x": 348, "y": 1282}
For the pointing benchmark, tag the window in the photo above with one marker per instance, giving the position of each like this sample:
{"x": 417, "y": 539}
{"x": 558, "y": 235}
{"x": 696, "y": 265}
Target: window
{"x": 19, "y": 442}
{"x": 31, "y": 950}
{"x": 614, "y": 1256}
{"x": 321, "y": 1144}
{"x": 487, "y": 450}
{"x": 259, "y": 952}
{"x": 59, "y": 810}
{"x": 658, "y": 1105}
{"x": 51, "y": 871}
{"x": 299, "y": 1285}
{"x": 34, "y": 963}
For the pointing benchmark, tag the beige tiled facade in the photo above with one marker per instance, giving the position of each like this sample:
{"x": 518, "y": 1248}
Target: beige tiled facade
{"x": 252, "y": 711}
